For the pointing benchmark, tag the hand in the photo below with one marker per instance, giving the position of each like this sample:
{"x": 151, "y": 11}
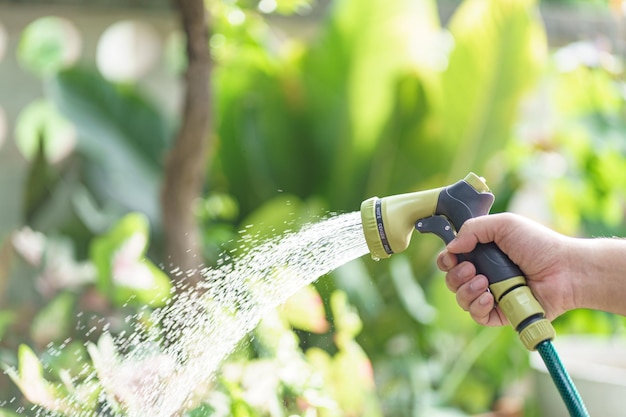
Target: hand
{"x": 545, "y": 257}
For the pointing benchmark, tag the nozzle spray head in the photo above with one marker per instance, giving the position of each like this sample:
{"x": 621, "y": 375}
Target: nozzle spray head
{"x": 388, "y": 222}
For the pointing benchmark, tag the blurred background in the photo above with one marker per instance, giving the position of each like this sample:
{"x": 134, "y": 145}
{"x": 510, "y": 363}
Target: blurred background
{"x": 137, "y": 138}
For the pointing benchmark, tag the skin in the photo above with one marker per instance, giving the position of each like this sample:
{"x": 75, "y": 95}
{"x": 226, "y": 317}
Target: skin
{"x": 564, "y": 273}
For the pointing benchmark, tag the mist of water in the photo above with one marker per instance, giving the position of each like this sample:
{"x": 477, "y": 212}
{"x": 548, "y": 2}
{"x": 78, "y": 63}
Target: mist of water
{"x": 175, "y": 364}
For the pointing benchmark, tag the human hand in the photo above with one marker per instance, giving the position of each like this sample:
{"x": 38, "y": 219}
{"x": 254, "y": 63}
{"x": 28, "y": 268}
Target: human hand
{"x": 543, "y": 255}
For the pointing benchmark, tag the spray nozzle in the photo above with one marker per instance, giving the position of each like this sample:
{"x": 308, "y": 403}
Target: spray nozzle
{"x": 388, "y": 224}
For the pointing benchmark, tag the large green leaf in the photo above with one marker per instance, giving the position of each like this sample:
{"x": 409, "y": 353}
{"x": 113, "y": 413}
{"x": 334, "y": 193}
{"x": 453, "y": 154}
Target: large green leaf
{"x": 263, "y": 148}
{"x": 311, "y": 125}
{"x": 499, "y": 49}
{"x": 350, "y": 76}
{"x": 121, "y": 133}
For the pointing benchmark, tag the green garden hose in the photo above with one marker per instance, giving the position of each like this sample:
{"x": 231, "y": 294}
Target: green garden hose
{"x": 562, "y": 380}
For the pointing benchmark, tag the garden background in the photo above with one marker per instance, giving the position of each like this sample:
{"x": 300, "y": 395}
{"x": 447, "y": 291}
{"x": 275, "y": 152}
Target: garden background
{"x": 128, "y": 155}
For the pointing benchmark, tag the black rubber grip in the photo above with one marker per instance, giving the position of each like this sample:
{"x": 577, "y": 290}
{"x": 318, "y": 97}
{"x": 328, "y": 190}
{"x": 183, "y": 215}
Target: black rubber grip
{"x": 490, "y": 261}
{"x": 460, "y": 202}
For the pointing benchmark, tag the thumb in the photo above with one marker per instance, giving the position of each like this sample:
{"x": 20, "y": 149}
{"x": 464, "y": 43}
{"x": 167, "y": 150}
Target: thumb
{"x": 482, "y": 229}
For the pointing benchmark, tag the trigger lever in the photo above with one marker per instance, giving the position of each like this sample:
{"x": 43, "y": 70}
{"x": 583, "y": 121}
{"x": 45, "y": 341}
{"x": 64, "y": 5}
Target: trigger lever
{"x": 439, "y": 226}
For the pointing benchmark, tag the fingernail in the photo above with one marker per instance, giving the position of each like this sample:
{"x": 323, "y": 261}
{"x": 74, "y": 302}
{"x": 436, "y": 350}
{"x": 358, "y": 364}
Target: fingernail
{"x": 465, "y": 270}
{"x": 478, "y": 284}
{"x": 484, "y": 299}
{"x": 445, "y": 261}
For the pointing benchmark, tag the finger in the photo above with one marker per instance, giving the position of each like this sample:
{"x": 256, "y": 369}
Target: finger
{"x": 484, "y": 311}
{"x": 471, "y": 291}
{"x": 483, "y": 229}
{"x": 466, "y": 239}
{"x": 459, "y": 275}
{"x": 446, "y": 261}
{"x": 481, "y": 308}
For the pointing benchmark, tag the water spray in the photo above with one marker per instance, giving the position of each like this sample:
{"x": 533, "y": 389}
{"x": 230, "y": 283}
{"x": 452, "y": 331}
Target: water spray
{"x": 389, "y": 222}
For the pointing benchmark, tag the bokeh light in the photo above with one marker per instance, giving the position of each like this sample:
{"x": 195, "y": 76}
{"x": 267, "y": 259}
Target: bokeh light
{"x": 49, "y": 44}
{"x": 127, "y": 51}
{"x": 40, "y": 122}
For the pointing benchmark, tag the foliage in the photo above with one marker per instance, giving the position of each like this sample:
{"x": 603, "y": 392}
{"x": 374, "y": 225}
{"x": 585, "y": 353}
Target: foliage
{"x": 384, "y": 100}
{"x": 357, "y": 107}
{"x": 123, "y": 272}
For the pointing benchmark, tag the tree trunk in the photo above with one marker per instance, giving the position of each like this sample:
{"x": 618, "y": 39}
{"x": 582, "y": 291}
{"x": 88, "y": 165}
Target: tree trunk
{"x": 188, "y": 159}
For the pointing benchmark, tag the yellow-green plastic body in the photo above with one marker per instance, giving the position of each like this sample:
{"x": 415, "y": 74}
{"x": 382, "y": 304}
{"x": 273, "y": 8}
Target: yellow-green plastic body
{"x": 518, "y": 303}
{"x": 399, "y": 213}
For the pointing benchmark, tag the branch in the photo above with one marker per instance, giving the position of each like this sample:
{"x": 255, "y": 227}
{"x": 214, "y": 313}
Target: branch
{"x": 187, "y": 162}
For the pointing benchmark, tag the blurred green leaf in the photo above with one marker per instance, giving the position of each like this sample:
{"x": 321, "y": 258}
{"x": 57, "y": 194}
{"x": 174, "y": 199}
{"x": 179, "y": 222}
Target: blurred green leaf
{"x": 449, "y": 316}
{"x": 410, "y": 292}
{"x": 7, "y": 318}
{"x": 61, "y": 399}
{"x": 40, "y": 128}
{"x": 218, "y": 206}
{"x": 30, "y": 368}
{"x": 499, "y": 49}
{"x": 289, "y": 6}
{"x": 600, "y": 95}
{"x": 41, "y": 182}
{"x": 29, "y": 378}
{"x": 353, "y": 380}
{"x": 409, "y": 27}
{"x": 355, "y": 280}
{"x": 587, "y": 322}
{"x": 263, "y": 148}
{"x": 122, "y": 135}
{"x": 52, "y": 323}
{"x": 455, "y": 376}
{"x": 71, "y": 357}
{"x": 280, "y": 214}
{"x": 349, "y": 76}
{"x": 346, "y": 319}
{"x": 305, "y": 311}
{"x": 124, "y": 273}
{"x": 203, "y": 411}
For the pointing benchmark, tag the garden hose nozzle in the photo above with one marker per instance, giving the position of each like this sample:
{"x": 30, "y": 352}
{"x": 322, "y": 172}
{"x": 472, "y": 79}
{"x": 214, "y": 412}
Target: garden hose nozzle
{"x": 388, "y": 224}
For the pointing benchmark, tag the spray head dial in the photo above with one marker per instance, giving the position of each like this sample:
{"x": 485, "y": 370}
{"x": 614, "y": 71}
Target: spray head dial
{"x": 388, "y": 222}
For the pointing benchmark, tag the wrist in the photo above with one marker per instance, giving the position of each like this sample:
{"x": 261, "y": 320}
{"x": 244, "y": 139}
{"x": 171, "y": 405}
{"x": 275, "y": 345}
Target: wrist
{"x": 597, "y": 267}
{"x": 580, "y": 262}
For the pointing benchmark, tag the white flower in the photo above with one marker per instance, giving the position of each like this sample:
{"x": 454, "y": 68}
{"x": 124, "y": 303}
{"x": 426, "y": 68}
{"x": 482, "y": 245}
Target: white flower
{"x": 128, "y": 268}
{"x": 29, "y": 244}
{"x": 133, "y": 383}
